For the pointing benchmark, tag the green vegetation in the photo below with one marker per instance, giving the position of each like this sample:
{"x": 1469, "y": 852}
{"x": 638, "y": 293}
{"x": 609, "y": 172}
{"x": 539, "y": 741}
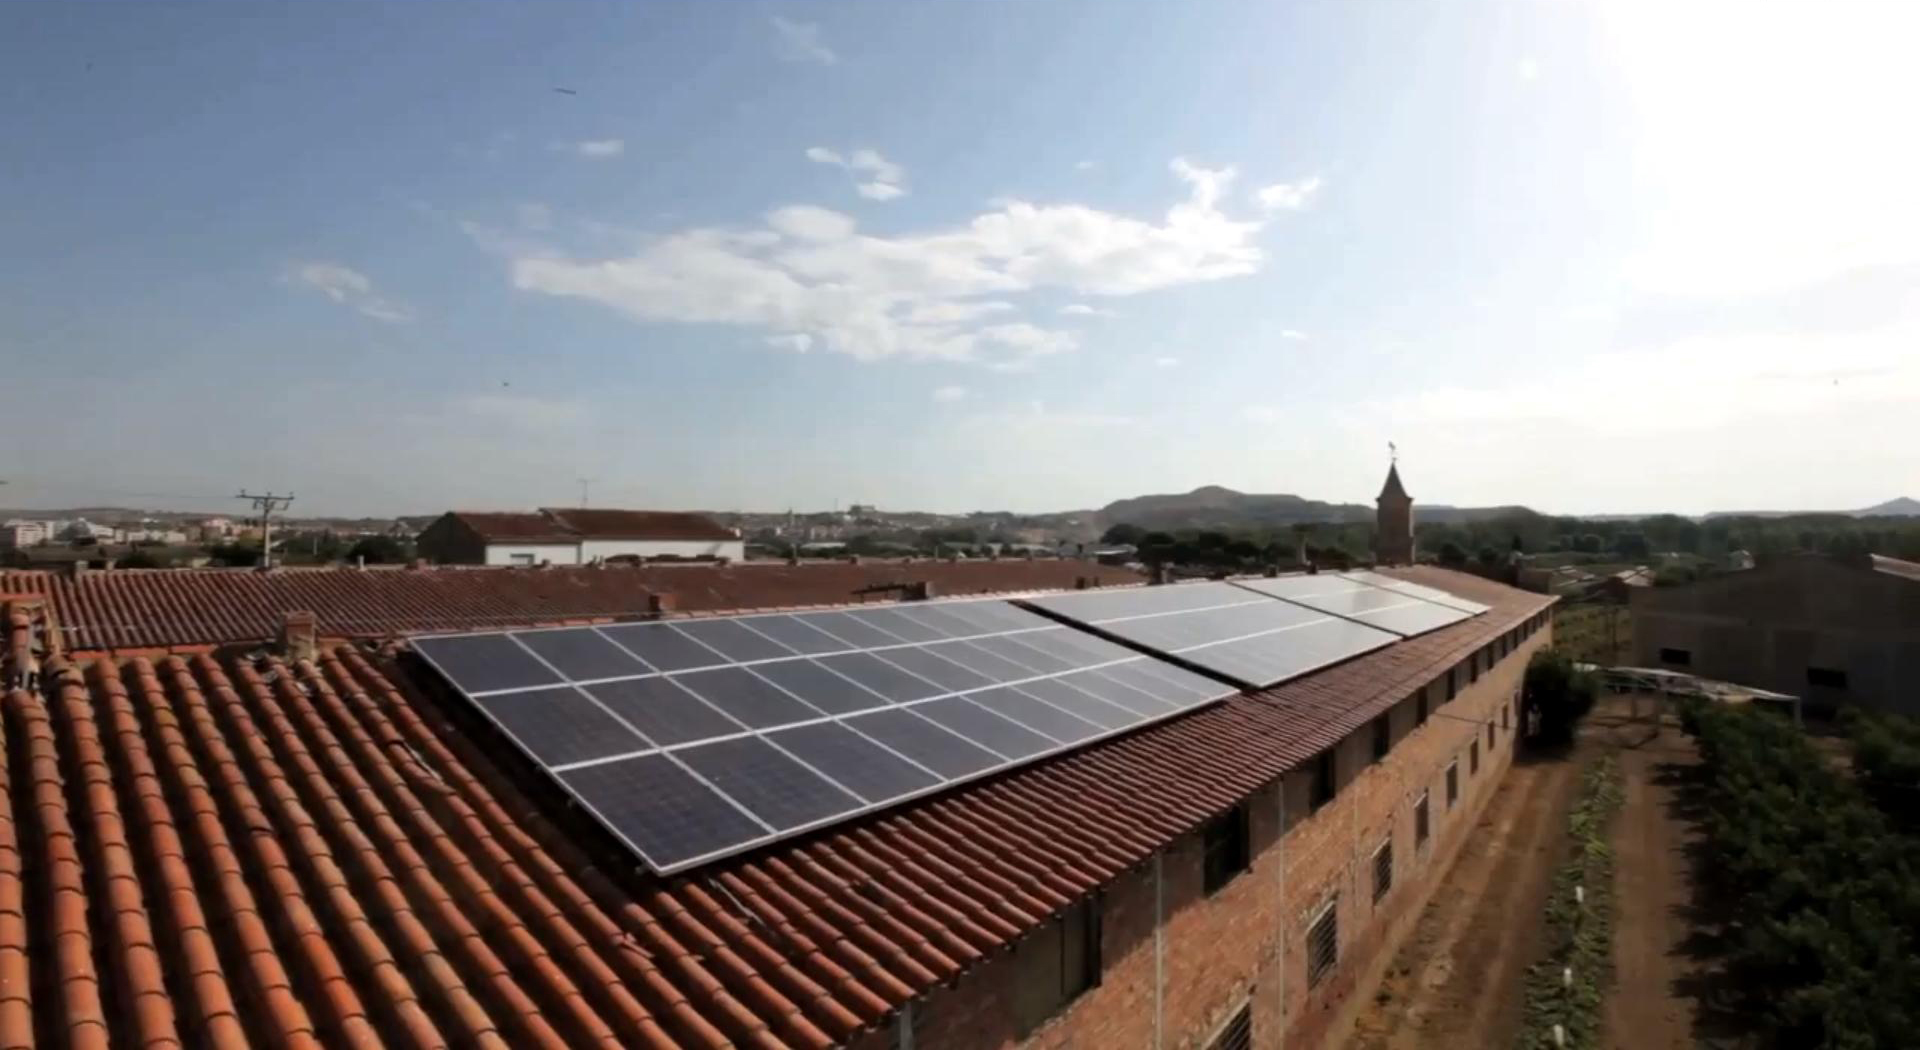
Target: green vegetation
{"x": 1556, "y": 695}
{"x": 1579, "y": 927}
{"x": 1886, "y": 759}
{"x": 1712, "y": 539}
{"x": 1822, "y": 891}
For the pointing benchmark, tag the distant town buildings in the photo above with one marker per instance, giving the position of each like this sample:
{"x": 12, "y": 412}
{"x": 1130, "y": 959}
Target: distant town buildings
{"x": 554, "y": 536}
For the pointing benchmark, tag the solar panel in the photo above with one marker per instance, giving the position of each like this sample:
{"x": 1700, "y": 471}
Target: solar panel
{"x": 1393, "y": 610}
{"x": 1245, "y": 635}
{"x": 1432, "y": 594}
{"x": 694, "y": 739}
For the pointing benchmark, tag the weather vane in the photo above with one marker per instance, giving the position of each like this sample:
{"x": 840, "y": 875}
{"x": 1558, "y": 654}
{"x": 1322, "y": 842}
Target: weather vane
{"x": 1393, "y": 453}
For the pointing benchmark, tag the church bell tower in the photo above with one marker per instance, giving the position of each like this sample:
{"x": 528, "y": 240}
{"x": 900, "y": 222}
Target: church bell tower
{"x": 1393, "y": 520}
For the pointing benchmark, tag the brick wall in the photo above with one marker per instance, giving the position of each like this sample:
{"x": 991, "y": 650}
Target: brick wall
{"x": 1206, "y": 956}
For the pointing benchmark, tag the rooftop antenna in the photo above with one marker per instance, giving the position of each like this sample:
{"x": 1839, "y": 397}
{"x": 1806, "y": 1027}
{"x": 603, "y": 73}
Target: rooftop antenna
{"x": 266, "y": 504}
{"x": 586, "y": 487}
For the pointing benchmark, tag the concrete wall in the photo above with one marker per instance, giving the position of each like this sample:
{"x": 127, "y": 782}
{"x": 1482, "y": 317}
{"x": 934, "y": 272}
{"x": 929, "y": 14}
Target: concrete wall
{"x": 1765, "y": 627}
{"x": 733, "y": 550}
{"x": 557, "y": 553}
{"x": 1177, "y": 964}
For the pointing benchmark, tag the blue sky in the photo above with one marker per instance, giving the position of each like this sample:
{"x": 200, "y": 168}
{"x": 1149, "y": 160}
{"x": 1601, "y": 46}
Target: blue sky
{"x": 952, "y": 256}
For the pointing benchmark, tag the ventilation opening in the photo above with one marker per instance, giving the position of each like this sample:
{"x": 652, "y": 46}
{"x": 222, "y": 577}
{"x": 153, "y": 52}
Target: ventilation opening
{"x": 1323, "y": 943}
{"x": 1237, "y": 1034}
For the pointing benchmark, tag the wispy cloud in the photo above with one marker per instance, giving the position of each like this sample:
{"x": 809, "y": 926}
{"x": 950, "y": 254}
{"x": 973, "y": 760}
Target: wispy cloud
{"x": 1083, "y": 310}
{"x": 594, "y": 149}
{"x": 348, "y": 287}
{"x": 950, "y": 394}
{"x": 1289, "y": 196}
{"x": 1085, "y": 165}
{"x": 1528, "y": 69}
{"x": 875, "y": 177}
{"x": 800, "y": 42}
{"x": 535, "y": 217}
{"x": 526, "y": 413}
{"x": 1293, "y": 333}
{"x": 1166, "y": 362}
{"x": 946, "y": 293}
{"x": 798, "y": 342}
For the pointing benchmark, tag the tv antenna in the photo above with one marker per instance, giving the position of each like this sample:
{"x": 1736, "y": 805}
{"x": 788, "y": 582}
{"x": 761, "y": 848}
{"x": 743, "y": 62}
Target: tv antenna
{"x": 266, "y": 504}
{"x": 586, "y": 488}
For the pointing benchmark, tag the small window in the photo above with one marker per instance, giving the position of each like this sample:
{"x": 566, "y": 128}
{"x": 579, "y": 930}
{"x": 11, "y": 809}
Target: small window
{"x": 1421, "y": 825}
{"x": 1056, "y": 963}
{"x": 1506, "y": 715}
{"x": 1826, "y": 678}
{"x": 1237, "y": 1033}
{"x": 1223, "y": 844}
{"x": 520, "y": 559}
{"x": 1323, "y": 942}
{"x": 1320, "y": 790}
{"x": 1453, "y": 684}
{"x": 1473, "y": 758}
{"x": 1677, "y": 657}
{"x": 1490, "y": 736}
{"x": 1382, "y": 870}
{"x": 1420, "y": 708}
{"x": 1453, "y": 783}
{"x": 1473, "y": 668}
{"x": 1382, "y": 737}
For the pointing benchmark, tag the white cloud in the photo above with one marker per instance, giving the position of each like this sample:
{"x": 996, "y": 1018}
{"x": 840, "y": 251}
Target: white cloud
{"x": 1289, "y": 196}
{"x": 1292, "y": 333}
{"x": 350, "y": 288}
{"x": 1528, "y": 69}
{"x": 800, "y": 42}
{"x": 798, "y": 342}
{"x": 1166, "y": 362}
{"x": 936, "y": 294}
{"x": 597, "y": 149}
{"x": 1085, "y": 165}
{"x": 883, "y": 180}
{"x": 1083, "y": 310}
{"x": 950, "y": 394}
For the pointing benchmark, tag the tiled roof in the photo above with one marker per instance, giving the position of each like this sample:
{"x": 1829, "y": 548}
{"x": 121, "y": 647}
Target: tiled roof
{"x": 602, "y": 524}
{"x": 312, "y": 854}
{"x": 509, "y": 526}
{"x": 156, "y": 608}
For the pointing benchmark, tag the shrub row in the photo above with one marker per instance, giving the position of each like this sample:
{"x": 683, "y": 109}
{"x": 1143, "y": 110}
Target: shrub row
{"x": 1886, "y": 758}
{"x": 1579, "y": 932}
{"x": 1822, "y": 891}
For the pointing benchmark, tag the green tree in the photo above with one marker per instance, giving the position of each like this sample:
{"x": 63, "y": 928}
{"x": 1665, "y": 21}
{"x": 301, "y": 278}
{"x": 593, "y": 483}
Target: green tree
{"x": 1123, "y": 534}
{"x": 378, "y": 550}
{"x": 1556, "y": 695}
{"x": 1488, "y": 558}
{"x": 1452, "y": 554}
{"x": 1631, "y": 545}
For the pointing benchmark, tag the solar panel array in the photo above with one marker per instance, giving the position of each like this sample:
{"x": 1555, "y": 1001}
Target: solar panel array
{"x": 1391, "y": 610}
{"x": 694, "y": 739}
{"x": 1432, "y": 594}
{"x": 1229, "y": 630}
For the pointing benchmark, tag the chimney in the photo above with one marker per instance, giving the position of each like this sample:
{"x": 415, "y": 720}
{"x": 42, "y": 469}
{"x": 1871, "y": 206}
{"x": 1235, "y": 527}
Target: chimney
{"x": 660, "y": 603}
{"x": 420, "y": 563}
{"x": 1271, "y": 571}
{"x": 360, "y": 561}
{"x": 853, "y": 559}
{"x": 298, "y": 635}
{"x": 110, "y": 563}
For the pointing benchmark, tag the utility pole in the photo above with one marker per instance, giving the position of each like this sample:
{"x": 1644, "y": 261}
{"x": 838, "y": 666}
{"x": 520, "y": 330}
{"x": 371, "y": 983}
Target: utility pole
{"x": 266, "y": 505}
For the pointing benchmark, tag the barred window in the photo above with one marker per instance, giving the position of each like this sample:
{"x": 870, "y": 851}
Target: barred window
{"x": 1453, "y": 783}
{"x": 1323, "y": 942}
{"x": 1421, "y": 825}
{"x": 1237, "y": 1033}
{"x": 1382, "y": 870}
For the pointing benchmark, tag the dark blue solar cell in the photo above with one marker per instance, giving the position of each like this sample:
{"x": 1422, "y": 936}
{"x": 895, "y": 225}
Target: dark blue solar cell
{"x": 983, "y": 727}
{"x": 974, "y": 657}
{"x": 855, "y": 633}
{"x": 777, "y": 789}
{"x": 663, "y": 647}
{"x": 938, "y": 619}
{"x": 819, "y": 686}
{"x": 795, "y": 634}
{"x": 950, "y": 676}
{"x": 883, "y": 678}
{"x": 899, "y": 626}
{"x": 733, "y": 640}
{"x": 854, "y": 762}
{"x": 482, "y": 663}
{"x": 930, "y": 745}
{"x": 560, "y": 726}
{"x": 668, "y": 816}
{"x": 993, "y": 617}
{"x": 1039, "y": 717}
{"x": 664, "y": 712}
{"x": 1020, "y": 649}
{"x": 1110, "y": 689}
{"x": 750, "y": 699}
{"x": 1083, "y": 704}
{"x": 582, "y": 654}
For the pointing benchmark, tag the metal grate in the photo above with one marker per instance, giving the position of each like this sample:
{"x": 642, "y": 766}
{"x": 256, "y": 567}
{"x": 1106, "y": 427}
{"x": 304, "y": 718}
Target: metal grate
{"x": 1237, "y": 1033}
{"x": 1323, "y": 943}
{"x": 1453, "y": 784}
{"x": 1382, "y": 870}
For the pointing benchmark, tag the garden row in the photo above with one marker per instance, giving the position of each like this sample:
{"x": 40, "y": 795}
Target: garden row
{"x": 1821, "y": 889}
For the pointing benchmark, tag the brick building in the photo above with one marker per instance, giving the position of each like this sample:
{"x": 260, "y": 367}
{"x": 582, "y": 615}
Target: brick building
{"x": 205, "y": 840}
{"x": 1393, "y": 522}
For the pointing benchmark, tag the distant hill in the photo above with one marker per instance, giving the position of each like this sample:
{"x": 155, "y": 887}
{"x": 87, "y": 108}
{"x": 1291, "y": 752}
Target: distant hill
{"x": 1901, "y": 507}
{"x": 1217, "y": 507}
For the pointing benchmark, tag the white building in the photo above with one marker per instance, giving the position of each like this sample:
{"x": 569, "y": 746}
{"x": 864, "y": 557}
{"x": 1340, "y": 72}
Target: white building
{"x": 576, "y": 537}
{"x": 21, "y": 532}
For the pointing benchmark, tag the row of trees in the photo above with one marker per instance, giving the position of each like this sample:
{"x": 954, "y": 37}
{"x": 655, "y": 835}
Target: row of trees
{"x": 1886, "y": 758}
{"x": 1763, "y": 537}
{"x": 1823, "y": 892}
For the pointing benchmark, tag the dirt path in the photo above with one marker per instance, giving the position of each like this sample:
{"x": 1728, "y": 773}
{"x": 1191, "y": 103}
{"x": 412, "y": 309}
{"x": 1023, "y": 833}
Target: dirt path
{"x": 1649, "y": 1007}
{"x": 1456, "y": 981}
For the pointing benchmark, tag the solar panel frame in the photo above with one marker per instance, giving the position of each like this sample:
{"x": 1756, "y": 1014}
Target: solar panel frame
{"x": 1059, "y": 655}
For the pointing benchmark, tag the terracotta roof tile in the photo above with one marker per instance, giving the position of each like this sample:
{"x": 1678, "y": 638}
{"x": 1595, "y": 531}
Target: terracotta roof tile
{"x": 312, "y": 853}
